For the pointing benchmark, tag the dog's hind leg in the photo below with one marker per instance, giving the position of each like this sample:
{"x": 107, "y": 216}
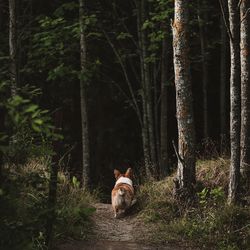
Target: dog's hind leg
{"x": 115, "y": 211}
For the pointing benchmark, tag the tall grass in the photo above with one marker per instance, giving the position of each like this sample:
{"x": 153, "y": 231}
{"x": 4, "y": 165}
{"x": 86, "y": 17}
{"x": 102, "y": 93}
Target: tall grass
{"x": 209, "y": 224}
{"x": 24, "y": 199}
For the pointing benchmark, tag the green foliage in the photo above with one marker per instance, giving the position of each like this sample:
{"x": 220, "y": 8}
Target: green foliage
{"x": 75, "y": 182}
{"x": 22, "y": 111}
{"x": 211, "y": 196}
{"x": 58, "y": 39}
{"x": 220, "y": 228}
{"x": 123, "y": 36}
{"x": 24, "y": 199}
{"x": 23, "y": 206}
{"x": 74, "y": 209}
{"x": 55, "y": 45}
{"x": 30, "y": 129}
{"x": 157, "y": 26}
{"x": 62, "y": 10}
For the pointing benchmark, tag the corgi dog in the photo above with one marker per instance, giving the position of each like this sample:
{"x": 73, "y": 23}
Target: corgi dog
{"x": 123, "y": 192}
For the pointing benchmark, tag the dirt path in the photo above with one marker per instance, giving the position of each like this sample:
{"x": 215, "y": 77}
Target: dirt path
{"x": 126, "y": 233}
{"x": 122, "y": 229}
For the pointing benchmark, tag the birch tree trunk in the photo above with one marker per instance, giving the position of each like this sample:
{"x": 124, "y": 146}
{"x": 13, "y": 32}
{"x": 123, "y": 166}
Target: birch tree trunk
{"x": 164, "y": 108}
{"x": 185, "y": 119}
{"x": 202, "y": 21}
{"x": 13, "y": 47}
{"x": 83, "y": 97}
{"x": 245, "y": 90}
{"x": 234, "y": 20}
{"x": 223, "y": 78}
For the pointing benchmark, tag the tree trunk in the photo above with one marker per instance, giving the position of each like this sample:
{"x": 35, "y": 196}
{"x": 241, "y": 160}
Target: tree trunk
{"x": 164, "y": 164}
{"x": 83, "y": 96}
{"x": 202, "y": 21}
{"x": 51, "y": 217}
{"x": 223, "y": 79}
{"x": 245, "y": 90}
{"x": 145, "y": 119}
{"x": 234, "y": 19}
{"x": 148, "y": 87}
{"x": 1, "y": 14}
{"x": 186, "y": 160}
{"x": 13, "y": 47}
{"x": 156, "y": 113}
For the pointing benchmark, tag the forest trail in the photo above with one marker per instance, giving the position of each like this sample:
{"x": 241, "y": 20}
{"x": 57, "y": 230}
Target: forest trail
{"x": 126, "y": 233}
{"x": 122, "y": 229}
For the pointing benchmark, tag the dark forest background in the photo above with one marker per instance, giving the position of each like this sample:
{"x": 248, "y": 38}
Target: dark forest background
{"x": 48, "y": 58}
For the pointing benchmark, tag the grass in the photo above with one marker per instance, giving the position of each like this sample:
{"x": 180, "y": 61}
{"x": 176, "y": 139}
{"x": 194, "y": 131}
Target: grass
{"x": 74, "y": 208}
{"x": 24, "y": 199}
{"x": 210, "y": 224}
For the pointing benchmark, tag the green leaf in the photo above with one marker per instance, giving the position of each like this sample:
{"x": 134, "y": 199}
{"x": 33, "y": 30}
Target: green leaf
{"x": 123, "y": 36}
{"x": 75, "y": 182}
{"x": 38, "y": 121}
{"x": 35, "y": 128}
{"x": 31, "y": 108}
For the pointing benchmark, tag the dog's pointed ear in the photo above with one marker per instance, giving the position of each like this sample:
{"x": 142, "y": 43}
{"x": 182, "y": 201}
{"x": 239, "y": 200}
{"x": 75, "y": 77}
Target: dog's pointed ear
{"x": 129, "y": 173}
{"x": 117, "y": 173}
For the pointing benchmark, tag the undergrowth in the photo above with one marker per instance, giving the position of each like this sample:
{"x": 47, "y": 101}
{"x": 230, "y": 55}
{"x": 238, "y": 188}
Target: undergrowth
{"x": 210, "y": 224}
{"x": 23, "y": 207}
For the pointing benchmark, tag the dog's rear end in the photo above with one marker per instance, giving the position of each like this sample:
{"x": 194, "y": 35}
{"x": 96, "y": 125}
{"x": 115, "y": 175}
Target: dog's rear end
{"x": 123, "y": 192}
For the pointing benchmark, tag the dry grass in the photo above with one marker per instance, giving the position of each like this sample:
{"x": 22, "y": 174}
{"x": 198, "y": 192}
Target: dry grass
{"x": 213, "y": 173}
{"x": 210, "y": 224}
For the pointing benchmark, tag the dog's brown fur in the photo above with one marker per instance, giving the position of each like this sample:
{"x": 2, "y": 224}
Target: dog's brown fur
{"x": 122, "y": 194}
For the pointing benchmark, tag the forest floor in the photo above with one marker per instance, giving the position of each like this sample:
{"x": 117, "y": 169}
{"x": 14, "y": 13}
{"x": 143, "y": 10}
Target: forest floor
{"x": 128, "y": 233}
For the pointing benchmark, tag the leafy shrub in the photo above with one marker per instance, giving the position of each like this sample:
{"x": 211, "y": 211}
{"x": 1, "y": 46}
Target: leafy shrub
{"x": 30, "y": 130}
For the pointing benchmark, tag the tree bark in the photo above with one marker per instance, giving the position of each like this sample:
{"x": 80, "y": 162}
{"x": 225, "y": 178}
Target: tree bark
{"x": 185, "y": 119}
{"x": 145, "y": 119}
{"x": 83, "y": 97}
{"x": 52, "y": 197}
{"x": 148, "y": 87}
{"x": 164, "y": 164}
{"x": 223, "y": 78}
{"x": 245, "y": 90}
{"x": 234, "y": 20}
{"x": 156, "y": 113}
{"x": 202, "y": 21}
{"x": 13, "y": 47}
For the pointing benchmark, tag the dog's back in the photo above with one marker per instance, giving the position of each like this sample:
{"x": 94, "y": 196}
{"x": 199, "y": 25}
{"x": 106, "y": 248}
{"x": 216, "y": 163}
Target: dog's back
{"x": 122, "y": 196}
{"x": 123, "y": 192}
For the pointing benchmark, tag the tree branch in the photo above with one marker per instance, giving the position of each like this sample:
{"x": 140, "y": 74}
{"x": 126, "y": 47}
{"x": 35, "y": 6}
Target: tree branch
{"x": 177, "y": 154}
{"x": 137, "y": 109}
{"x": 225, "y": 22}
{"x": 245, "y": 15}
{"x": 239, "y": 3}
